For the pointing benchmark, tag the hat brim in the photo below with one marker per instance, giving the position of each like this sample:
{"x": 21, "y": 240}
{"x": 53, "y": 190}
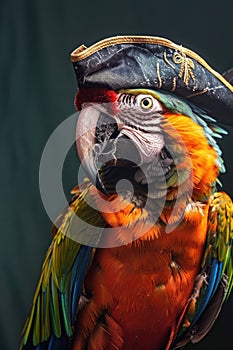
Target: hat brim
{"x": 155, "y": 63}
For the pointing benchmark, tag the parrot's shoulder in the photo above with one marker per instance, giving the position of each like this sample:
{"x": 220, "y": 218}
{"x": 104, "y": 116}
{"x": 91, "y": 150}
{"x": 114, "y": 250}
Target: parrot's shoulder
{"x": 215, "y": 280}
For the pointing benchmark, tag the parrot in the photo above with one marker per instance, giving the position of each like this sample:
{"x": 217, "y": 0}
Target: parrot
{"x": 148, "y": 263}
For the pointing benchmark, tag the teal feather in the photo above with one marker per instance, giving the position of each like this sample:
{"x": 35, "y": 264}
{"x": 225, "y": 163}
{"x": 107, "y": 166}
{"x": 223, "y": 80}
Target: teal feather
{"x": 66, "y": 313}
{"x": 219, "y": 130}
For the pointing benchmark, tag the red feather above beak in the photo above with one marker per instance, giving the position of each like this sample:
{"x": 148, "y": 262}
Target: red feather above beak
{"x": 98, "y": 95}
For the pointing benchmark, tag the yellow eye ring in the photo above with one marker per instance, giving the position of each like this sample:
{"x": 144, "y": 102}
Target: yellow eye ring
{"x": 146, "y": 103}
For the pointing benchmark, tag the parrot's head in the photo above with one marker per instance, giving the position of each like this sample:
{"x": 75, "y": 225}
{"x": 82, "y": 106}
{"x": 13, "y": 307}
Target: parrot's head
{"x": 148, "y": 119}
{"x": 146, "y": 143}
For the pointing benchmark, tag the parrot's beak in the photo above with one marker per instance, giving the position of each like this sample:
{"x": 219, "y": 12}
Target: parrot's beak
{"x": 85, "y": 142}
{"x": 106, "y": 154}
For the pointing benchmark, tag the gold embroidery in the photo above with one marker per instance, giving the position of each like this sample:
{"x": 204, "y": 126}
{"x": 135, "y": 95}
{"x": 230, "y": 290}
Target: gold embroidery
{"x": 186, "y": 66}
{"x": 173, "y": 84}
{"x": 158, "y": 74}
{"x": 198, "y": 93}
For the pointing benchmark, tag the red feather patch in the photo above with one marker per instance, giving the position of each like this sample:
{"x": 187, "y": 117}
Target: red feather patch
{"x": 98, "y": 95}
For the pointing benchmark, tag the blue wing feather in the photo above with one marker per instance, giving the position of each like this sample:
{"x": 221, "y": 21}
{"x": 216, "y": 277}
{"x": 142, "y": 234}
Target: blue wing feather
{"x": 218, "y": 276}
{"x": 213, "y": 283}
{"x": 77, "y": 279}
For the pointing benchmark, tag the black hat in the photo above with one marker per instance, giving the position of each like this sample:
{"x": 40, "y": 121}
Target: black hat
{"x": 156, "y": 63}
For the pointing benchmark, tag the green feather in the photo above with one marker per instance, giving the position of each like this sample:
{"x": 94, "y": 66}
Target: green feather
{"x": 36, "y": 331}
{"x": 55, "y": 310}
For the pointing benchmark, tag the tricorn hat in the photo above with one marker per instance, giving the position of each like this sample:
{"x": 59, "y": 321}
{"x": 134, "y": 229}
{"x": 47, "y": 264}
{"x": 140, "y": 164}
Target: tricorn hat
{"x": 155, "y": 63}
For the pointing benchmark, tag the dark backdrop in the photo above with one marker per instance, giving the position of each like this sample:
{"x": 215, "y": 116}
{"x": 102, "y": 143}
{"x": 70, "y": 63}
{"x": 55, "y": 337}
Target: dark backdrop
{"x": 37, "y": 86}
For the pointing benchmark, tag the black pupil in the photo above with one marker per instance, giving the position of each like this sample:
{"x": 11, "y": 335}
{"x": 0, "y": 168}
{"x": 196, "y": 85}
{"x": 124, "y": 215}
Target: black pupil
{"x": 146, "y": 102}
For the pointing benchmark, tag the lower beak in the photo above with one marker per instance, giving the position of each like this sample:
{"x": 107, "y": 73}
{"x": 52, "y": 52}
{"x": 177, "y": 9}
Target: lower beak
{"x": 92, "y": 172}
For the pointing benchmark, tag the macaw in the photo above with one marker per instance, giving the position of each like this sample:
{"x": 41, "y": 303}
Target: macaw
{"x": 142, "y": 258}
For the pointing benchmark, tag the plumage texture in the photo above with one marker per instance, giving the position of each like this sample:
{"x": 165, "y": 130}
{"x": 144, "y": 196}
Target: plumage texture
{"x": 167, "y": 286}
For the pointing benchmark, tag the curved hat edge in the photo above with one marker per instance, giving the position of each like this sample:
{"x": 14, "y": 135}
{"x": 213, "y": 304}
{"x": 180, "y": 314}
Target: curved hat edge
{"x": 83, "y": 51}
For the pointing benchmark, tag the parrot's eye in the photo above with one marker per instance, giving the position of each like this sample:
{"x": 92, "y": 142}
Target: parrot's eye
{"x": 146, "y": 103}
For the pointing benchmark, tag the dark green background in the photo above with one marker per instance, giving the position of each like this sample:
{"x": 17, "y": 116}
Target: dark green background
{"x": 37, "y": 87}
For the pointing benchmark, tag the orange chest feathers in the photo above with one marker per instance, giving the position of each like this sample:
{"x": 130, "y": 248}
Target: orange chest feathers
{"x": 144, "y": 286}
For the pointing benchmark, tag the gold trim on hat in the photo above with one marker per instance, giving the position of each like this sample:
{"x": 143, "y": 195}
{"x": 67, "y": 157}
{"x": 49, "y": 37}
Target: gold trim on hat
{"x": 83, "y": 52}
